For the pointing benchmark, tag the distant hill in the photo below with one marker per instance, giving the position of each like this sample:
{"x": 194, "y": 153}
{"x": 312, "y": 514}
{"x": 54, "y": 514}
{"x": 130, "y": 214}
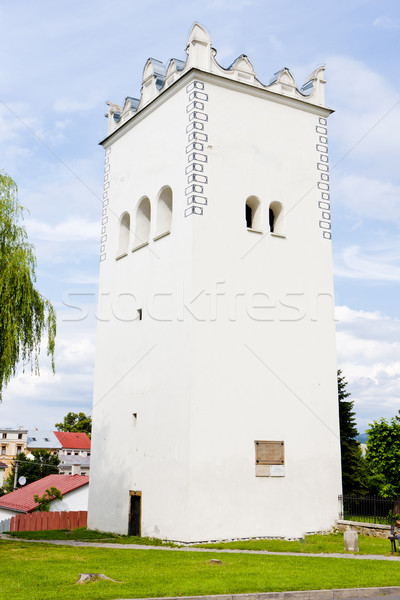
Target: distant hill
{"x": 362, "y": 438}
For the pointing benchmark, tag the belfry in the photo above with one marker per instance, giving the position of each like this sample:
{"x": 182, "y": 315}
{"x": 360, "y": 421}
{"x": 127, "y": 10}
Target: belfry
{"x": 215, "y": 404}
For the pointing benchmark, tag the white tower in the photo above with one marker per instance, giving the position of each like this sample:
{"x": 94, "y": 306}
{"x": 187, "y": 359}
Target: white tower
{"x": 215, "y": 401}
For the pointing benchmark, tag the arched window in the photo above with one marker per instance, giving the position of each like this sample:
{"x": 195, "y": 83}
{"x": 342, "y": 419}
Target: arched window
{"x": 164, "y": 212}
{"x": 253, "y": 213}
{"x": 124, "y": 232}
{"x": 142, "y": 225}
{"x": 276, "y": 219}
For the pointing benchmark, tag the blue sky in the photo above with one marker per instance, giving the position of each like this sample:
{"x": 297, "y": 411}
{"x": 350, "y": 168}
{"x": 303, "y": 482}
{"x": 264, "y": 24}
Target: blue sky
{"x": 60, "y": 61}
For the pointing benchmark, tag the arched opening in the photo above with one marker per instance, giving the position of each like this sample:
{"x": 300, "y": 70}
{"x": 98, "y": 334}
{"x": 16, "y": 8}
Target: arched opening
{"x": 124, "y": 233}
{"x": 142, "y": 225}
{"x": 276, "y": 219}
{"x": 164, "y": 212}
{"x": 253, "y": 213}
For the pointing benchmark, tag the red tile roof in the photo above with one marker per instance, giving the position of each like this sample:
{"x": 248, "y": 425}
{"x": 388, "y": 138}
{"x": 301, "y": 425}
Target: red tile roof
{"x": 22, "y": 499}
{"x": 69, "y": 439}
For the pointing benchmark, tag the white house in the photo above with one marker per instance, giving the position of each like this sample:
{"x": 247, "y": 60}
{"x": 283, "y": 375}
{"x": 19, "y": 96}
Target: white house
{"x": 215, "y": 401}
{"x": 74, "y": 489}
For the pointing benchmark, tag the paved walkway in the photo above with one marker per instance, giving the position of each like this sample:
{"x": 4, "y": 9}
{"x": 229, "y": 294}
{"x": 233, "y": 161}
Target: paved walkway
{"x": 210, "y": 550}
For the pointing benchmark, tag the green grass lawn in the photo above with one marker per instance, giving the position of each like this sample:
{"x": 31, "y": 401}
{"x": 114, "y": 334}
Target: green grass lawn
{"x": 44, "y": 572}
{"x": 84, "y": 535}
{"x": 311, "y": 543}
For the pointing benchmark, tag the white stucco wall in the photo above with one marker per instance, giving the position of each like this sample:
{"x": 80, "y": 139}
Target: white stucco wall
{"x": 231, "y": 348}
{"x": 75, "y": 500}
{"x": 7, "y": 514}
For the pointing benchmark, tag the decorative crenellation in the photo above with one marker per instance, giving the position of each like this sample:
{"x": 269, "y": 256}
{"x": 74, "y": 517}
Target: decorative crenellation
{"x": 196, "y": 177}
{"x": 323, "y": 176}
{"x": 157, "y": 77}
{"x": 106, "y": 201}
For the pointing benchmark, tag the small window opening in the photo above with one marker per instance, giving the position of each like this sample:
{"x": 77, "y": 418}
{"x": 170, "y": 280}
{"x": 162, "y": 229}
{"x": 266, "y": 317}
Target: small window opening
{"x": 276, "y": 219}
{"x": 253, "y": 214}
{"x": 124, "y": 233}
{"x": 164, "y": 212}
{"x": 271, "y": 220}
{"x": 249, "y": 216}
{"x": 142, "y": 226}
{"x": 20, "y": 436}
{"x": 19, "y": 449}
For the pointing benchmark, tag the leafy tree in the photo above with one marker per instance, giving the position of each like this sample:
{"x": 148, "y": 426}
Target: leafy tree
{"x": 24, "y": 313}
{"x": 353, "y": 464}
{"x": 44, "y": 463}
{"x": 76, "y": 422}
{"x": 383, "y": 455}
{"x": 50, "y": 494}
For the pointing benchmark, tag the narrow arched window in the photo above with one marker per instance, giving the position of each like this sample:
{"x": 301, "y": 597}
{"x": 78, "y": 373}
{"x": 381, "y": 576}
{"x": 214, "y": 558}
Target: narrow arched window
{"x": 124, "y": 233}
{"x": 253, "y": 213}
{"x": 276, "y": 219}
{"x": 142, "y": 224}
{"x": 164, "y": 212}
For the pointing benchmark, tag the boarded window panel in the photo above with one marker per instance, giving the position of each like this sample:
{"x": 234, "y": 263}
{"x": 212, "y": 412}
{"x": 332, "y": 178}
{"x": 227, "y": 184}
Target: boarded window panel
{"x": 270, "y": 453}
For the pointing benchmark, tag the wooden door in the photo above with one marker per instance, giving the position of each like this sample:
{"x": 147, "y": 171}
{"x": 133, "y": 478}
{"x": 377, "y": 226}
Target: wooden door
{"x": 135, "y": 512}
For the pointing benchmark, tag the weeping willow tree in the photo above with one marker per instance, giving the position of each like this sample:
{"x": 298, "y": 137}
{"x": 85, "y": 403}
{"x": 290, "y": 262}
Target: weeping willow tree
{"x": 25, "y": 315}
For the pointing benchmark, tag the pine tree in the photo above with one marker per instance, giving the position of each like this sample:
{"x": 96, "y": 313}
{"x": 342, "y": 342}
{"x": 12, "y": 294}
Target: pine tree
{"x": 353, "y": 464}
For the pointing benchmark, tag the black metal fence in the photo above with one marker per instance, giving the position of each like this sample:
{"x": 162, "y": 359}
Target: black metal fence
{"x": 369, "y": 509}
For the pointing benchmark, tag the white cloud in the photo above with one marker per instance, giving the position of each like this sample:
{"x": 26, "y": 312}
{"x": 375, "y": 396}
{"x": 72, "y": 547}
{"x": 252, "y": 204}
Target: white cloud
{"x": 386, "y": 23}
{"x": 73, "y": 229}
{"x": 369, "y": 356}
{"x": 77, "y": 353}
{"x": 373, "y": 263}
{"x": 43, "y": 400}
{"x": 368, "y": 114}
{"x": 369, "y": 198}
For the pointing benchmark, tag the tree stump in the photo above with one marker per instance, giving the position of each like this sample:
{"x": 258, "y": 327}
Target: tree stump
{"x": 215, "y": 561}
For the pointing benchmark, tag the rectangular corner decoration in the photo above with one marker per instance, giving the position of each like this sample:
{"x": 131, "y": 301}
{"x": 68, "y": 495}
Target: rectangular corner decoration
{"x": 197, "y": 121}
{"x": 270, "y": 453}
